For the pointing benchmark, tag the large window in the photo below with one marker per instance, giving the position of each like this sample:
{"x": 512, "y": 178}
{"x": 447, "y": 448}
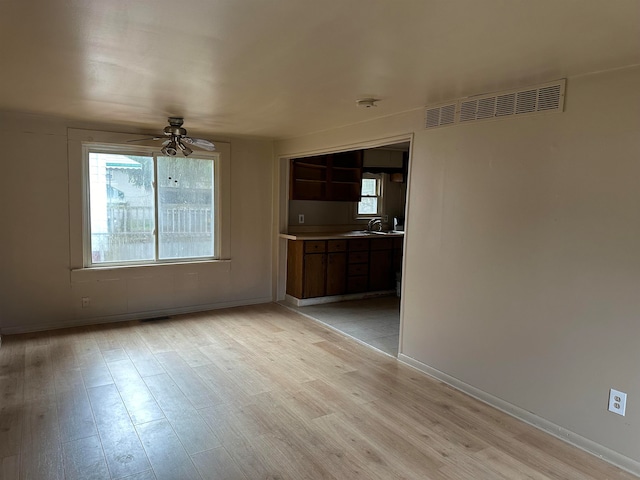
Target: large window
{"x": 145, "y": 208}
{"x": 370, "y": 204}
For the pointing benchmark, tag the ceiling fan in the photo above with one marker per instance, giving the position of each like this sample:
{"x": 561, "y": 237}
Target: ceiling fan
{"x": 176, "y": 139}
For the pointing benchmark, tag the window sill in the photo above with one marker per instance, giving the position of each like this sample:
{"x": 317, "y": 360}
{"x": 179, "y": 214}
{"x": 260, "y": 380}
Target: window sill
{"x": 113, "y": 272}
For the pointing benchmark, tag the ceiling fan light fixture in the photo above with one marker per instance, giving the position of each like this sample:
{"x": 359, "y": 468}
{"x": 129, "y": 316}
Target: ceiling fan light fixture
{"x": 175, "y": 140}
{"x": 170, "y": 149}
{"x": 186, "y": 151}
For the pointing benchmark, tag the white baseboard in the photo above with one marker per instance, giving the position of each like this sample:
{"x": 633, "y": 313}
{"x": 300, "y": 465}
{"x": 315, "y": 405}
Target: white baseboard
{"x": 305, "y": 302}
{"x": 15, "y": 329}
{"x": 551, "y": 428}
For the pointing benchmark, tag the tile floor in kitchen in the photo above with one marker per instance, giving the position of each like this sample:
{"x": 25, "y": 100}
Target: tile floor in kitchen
{"x": 374, "y": 321}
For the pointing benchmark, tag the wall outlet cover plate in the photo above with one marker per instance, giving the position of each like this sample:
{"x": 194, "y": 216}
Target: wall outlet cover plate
{"x": 617, "y": 402}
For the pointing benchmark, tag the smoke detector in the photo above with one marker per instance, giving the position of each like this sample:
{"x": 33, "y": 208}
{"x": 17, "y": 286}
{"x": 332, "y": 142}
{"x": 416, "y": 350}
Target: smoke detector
{"x": 366, "y": 102}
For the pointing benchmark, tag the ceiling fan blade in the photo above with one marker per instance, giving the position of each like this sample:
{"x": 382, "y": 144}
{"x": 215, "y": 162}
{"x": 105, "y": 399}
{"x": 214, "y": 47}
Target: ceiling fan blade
{"x": 200, "y": 143}
{"x": 145, "y": 139}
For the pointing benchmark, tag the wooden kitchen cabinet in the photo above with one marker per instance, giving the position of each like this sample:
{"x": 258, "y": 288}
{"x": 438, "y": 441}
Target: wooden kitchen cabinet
{"x": 397, "y": 254}
{"x": 381, "y": 274}
{"x": 336, "y": 267}
{"x": 317, "y": 268}
{"x": 358, "y": 266}
{"x": 309, "y": 178}
{"x": 314, "y": 275}
{"x": 331, "y": 177}
{"x": 306, "y": 269}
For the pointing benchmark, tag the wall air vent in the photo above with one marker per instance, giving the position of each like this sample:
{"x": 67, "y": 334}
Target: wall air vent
{"x": 505, "y": 104}
{"x": 469, "y": 110}
{"x": 551, "y": 97}
{"x": 526, "y": 102}
{"x": 486, "y": 108}
{"x": 545, "y": 98}
{"x": 440, "y": 115}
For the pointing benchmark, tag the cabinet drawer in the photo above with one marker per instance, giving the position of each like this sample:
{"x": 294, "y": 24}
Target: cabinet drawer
{"x": 359, "y": 257}
{"x": 358, "y": 244}
{"x": 358, "y": 269}
{"x": 318, "y": 246}
{"x": 337, "y": 246}
{"x": 382, "y": 244}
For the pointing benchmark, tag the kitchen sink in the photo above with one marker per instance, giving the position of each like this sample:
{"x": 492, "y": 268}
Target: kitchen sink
{"x": 357, "y": 233}
{"x": 388, "y": 232}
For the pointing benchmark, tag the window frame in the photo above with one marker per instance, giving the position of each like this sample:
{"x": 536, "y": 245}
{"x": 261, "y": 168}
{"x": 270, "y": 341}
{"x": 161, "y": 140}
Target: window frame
{"x": 77, "y": 187}
{"x": 154, "y": 153}
{"x": 380, "y": 196}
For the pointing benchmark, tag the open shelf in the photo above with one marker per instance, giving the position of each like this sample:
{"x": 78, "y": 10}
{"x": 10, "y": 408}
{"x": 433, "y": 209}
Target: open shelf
{"x": 333, "y": 177}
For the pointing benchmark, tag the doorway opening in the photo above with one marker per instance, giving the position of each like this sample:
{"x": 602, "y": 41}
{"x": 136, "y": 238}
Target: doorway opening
{"x": 372, "y": 317}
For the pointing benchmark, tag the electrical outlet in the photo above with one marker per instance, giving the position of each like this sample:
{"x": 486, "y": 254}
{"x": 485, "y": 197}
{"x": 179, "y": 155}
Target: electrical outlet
{"x": 86, "y": 301}
{"x": 617, "y": 402}
{"x": 385, "y": 218}
{"x": 301, "y": 218}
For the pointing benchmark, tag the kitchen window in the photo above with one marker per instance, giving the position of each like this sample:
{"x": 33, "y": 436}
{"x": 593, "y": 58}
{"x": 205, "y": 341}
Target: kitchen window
{"x": 143, "y": 207}
{"x": 370, "y": 204}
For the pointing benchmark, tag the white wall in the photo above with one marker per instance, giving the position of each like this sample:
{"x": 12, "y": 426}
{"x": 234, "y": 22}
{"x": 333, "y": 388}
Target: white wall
{"x": 39, "y": 219}
{"x": 522, "y": 264}
{"x": 321, "y": 213}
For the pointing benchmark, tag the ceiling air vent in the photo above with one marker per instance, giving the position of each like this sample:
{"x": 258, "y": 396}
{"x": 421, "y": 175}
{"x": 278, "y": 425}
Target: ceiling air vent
{"x": 545, "y": 98}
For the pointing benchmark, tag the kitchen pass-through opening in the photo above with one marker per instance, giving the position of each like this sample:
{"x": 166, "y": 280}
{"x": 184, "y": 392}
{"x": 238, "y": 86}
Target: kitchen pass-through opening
{"x": 342, "y": 259}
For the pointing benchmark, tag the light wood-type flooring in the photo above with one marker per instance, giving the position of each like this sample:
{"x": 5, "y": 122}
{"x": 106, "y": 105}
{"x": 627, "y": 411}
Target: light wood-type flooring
{"x": 250, "y": 393}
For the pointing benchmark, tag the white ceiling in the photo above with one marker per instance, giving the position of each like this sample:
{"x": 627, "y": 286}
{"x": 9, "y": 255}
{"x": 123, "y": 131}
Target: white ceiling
{"x": 283, "y": 68}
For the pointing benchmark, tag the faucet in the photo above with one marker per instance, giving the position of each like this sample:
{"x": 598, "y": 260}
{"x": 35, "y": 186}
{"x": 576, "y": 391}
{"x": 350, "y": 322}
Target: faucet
{"x": 374, "y": 224}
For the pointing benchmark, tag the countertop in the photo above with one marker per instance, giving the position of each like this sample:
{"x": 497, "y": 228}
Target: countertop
{"x": 339, "y": 235}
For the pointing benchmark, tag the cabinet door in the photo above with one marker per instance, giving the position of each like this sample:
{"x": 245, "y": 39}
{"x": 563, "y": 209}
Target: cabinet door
{"x": 336, "y": 273}
{"x": 314, "y": 275}
{"x": 381, "y": 274}
{"x": 295, "y": 268}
